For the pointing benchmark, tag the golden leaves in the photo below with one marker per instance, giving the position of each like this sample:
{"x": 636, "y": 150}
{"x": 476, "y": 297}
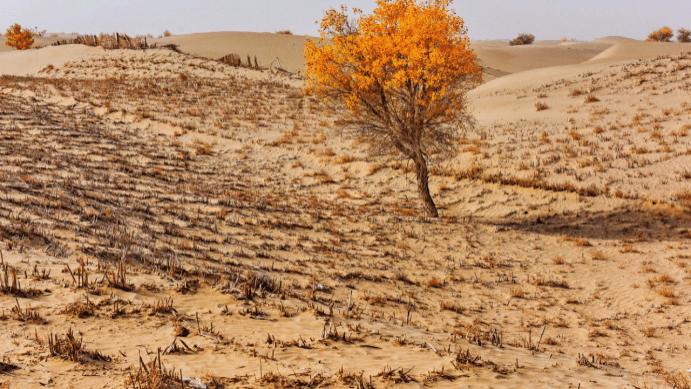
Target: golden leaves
{"x": 18, "y": 37}
{"x": 403, "y": 46}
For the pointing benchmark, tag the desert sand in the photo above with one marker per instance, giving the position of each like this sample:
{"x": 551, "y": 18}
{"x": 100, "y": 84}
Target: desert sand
{"x": 163, "y": 206}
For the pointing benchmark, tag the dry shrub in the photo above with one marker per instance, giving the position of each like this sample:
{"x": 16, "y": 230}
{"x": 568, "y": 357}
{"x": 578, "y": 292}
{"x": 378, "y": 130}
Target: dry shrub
{"x": 154, "y": 375}
{"x": 452, "y": 306}
{"x": 473, "y": 172}
{"x": 523, "y": 39}
{"x": 202, "y": 148}
{"x": 81, "y": 309}
{"x": 667, "y": 292}
{"x": 664, "y": 34}
{"x": 541, "y": 106}
{"x": 598, "y": 255}
{"x": 684, "y": 198}
{"x": 108, "y": 41}
{"x": 678, "y": 380}
{"x": 167, "y": 33}
{"x": 69, "y": 347}
{"x": 558, "y": 260}
{"x": 7, "y": 366}
{"x": 518, "y": 292}
{"x": 435, "y": 282}
{"x": 284, "y": 32}
{"x": 684, "y": 35}
{"x": 18, "y": 37}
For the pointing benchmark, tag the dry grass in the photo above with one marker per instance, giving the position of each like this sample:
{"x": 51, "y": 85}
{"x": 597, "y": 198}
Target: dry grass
{"x": 541, "y": 106}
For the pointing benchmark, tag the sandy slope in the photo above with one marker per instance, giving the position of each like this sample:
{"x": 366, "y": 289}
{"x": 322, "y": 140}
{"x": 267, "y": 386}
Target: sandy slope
{"x": 286, "y": 50}
{"x": 520, "y": 58}
{"x": 30, "y": 62}
{"x": 631, "y": 50}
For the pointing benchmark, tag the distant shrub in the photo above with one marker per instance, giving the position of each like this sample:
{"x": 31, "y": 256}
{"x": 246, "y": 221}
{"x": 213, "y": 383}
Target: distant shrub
{"x": 664, "y": 34}
{"x": 684, "y": 35}
{"x": 541, "y": 106}
{"x": 18, "y": 37}
{"x": 523, "y": 39}
{"x": 284, "y": 32}
{"x": 167, "y": 33}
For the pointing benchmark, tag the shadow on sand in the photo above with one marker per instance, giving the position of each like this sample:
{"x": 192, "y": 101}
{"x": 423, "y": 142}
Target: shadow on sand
{"x": 616, "y": 224}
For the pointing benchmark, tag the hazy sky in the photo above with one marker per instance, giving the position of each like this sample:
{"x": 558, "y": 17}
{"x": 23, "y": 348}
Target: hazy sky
{"x": 486, "y": 19}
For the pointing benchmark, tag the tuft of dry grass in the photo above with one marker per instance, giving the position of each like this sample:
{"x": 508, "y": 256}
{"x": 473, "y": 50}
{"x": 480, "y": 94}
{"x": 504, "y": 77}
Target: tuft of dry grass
{"x": 154, "y": 375}
{"x": 518, "y": 293}
{"x": 558, "y": 260}
{"x": 598, "y": 255}
{"x": 666, "y": 291}
{"x": 71, "y": 348}
{"x": 591, "y": 99}
{"x": 541, "y": 106}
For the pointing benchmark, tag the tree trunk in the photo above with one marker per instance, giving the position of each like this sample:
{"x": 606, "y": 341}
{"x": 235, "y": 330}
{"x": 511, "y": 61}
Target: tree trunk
{"x": 423, "y": 185}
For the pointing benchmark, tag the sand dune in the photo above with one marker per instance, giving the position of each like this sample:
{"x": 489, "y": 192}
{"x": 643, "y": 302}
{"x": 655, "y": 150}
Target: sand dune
{"x": 497, "y": 56}
{"x": 286, "y": 50}
{"x": 614, "y": 39}
{"x": 630, "y": 50}
{"x": 520, "y": 58}
{"x": 542, "y": 72}
{"x": 30, "y": 62}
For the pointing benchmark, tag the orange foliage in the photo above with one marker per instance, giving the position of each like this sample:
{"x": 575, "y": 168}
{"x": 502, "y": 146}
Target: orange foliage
{"x": 402, "y": 71}
{"x": 664, "y": 34}
{"x": 403, "y": 43}
{"x": 18, "y": 37}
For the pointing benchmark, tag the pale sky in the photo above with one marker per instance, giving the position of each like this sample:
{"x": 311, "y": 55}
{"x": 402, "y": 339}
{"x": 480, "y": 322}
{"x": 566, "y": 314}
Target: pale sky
{"x": 486, "y": 19}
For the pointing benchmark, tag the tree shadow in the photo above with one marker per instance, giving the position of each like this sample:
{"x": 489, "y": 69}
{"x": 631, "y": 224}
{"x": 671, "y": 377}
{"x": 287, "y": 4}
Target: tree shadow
{"x": 668, "y": 224}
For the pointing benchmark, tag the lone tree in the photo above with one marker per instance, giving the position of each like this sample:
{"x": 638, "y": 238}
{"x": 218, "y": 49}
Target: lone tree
{"x": 684, "y": 35}
{"x": 665, "y": 34}
{"x": 402, "y": 72}
{"x": 18, "y": 37}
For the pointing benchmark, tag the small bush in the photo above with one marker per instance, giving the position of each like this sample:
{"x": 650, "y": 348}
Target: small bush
{"x": 664, "y": 34}
{"x": 284, "y": 32}
{"x": 684, "y": 35}
{"x": 523, "y": 39}
{"x": 541, "y": 106}
{"x": 167, "y": 33}
{"x": 18, "y": 37}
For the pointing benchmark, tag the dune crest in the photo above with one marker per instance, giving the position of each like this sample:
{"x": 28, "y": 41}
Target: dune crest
{"x": 30, "y": 62}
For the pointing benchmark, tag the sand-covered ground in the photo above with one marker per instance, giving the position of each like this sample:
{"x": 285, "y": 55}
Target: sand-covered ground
{"x": 164, "y": 207}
